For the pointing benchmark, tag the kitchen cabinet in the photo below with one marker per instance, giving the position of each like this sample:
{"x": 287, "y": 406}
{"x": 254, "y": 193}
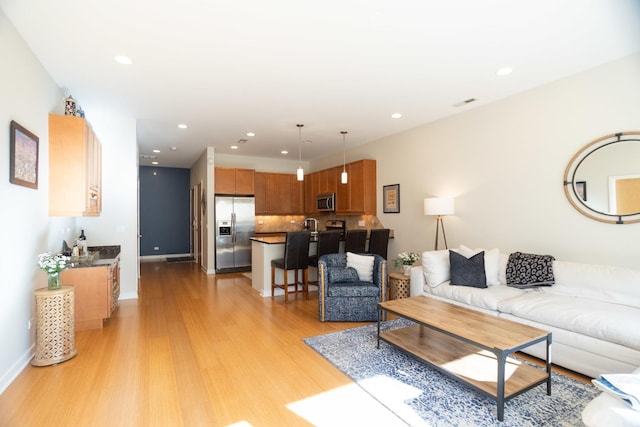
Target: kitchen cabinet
{"x": 311, "y": 191}
{"x": 278, "y": 194}
{"x": 75, "y": 167}
{"x": 296, "y": 195}
{"x": 233, "y": 181}
{"x": 359, "y": 197}
{"x": 97, "y": 289}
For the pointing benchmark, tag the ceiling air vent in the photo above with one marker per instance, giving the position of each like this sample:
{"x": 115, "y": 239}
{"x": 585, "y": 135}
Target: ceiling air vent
{"x": 148, "y": 157}
{"x": 465, "y": 102}
{"x": 242, "y": 141}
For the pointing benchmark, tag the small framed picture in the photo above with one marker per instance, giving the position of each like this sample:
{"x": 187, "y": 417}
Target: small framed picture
{"x": 23, "y": 156}
{"x": 581, "y": 190}
{"x": 391, "y": 198}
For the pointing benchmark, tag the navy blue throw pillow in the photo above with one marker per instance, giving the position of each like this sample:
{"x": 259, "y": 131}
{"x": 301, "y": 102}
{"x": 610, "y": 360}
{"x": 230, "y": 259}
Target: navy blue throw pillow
{"x": 467, "y": 271}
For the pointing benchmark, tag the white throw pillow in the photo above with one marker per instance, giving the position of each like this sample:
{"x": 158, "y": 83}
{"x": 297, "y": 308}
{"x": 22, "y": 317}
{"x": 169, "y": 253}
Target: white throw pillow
{"x": 491, "y": 262}
{"x": 436, "y": 267}
{"x": 363, "y": 265}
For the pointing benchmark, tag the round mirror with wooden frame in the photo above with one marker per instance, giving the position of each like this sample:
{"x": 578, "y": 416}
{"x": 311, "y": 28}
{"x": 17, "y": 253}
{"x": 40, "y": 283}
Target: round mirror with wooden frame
{"x": 602, "y": 181}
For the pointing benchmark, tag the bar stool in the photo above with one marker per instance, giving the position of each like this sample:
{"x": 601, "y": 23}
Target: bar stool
{"x": 296, "y": 258}
{"x": 328, "y": 243}
{"x": 379, "y": 242}
{"x": 355, "y": 241}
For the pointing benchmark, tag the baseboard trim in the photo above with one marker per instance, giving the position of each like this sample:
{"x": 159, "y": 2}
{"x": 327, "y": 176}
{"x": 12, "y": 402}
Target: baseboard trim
{"x": 13, "y": 372}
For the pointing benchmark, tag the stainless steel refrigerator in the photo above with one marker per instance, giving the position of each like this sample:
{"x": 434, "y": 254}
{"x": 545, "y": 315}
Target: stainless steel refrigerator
{"x": 235, "y": 225}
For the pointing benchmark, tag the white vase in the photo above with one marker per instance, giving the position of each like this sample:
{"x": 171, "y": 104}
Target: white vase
{"x": 407, "y": 270}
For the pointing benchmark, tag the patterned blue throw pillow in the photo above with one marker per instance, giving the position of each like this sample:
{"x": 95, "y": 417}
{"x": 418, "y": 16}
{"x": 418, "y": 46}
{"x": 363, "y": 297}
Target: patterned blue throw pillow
{"x": 343, "y": 274}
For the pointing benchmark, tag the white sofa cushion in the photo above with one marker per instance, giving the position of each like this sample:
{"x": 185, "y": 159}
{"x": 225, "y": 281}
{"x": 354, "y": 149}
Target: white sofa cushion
{"x": 491, "y": 262}
{"x": 600, "y": 282}
{"x": 487, "y": 298}
{"x": 598, "y": 319}
{"x": 606, "y": 410}
{"x": 436, "y": 267}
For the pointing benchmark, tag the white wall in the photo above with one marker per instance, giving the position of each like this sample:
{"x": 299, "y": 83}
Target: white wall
{"x": 28, "y": 95}
{"x": 118, "y": 221}
{"x": 260, "y": 164}
{"x": 202, "y": 172}
{"x": 504, "y": 163}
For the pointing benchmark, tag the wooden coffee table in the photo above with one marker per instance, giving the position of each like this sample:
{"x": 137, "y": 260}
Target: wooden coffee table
{"x": 469, "y": 346}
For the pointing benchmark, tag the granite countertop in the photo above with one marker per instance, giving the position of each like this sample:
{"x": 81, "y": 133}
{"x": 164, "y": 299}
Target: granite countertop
{"x": 276, "y": 240}
{"x": 98, "y": 256}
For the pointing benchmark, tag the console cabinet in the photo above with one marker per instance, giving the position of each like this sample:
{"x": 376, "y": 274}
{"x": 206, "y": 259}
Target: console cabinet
{"x": 97, "y": 289}
{"x": 75, "y": 167}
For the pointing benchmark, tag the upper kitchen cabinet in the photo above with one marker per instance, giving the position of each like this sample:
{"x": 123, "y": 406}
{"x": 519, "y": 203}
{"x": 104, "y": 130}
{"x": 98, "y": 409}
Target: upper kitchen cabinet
{"x": 358, "y": 196}
{"x": 278, "y": 194}
{"x": 234, "y": 181}
{"x": 75, "y": 167}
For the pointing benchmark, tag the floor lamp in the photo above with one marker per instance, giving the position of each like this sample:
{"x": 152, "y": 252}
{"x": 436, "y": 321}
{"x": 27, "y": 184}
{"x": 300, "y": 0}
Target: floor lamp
{"x": 438, "y": 207}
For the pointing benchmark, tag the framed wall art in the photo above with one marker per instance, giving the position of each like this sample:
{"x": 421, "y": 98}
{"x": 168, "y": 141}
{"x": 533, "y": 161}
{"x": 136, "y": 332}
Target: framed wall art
{"x": 23, "y": 156}
{"x": 391, "y": 198}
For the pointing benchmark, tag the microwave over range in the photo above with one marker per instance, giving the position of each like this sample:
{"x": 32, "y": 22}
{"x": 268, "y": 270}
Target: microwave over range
{"x": 326, "y": 202}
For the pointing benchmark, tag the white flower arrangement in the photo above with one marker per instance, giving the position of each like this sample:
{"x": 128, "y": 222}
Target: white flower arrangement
{"x": 52, "y": 263}
{"x": 406, "y": 259}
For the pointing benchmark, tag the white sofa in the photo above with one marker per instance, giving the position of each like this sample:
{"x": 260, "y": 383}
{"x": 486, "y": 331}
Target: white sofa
{"x": 593, "y": 311}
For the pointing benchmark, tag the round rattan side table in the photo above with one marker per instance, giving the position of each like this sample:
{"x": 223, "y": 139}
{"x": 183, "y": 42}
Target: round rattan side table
{"x": 55, "y": 329}
{"x": 398, "y": 286}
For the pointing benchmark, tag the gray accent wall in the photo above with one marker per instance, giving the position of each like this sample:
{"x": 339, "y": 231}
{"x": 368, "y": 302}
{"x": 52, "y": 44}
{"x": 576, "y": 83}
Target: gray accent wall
{"x": 164, "y": 211}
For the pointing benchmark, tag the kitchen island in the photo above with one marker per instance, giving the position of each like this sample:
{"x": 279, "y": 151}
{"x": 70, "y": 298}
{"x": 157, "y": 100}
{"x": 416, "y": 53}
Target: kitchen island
{"x": 264, "y": 249}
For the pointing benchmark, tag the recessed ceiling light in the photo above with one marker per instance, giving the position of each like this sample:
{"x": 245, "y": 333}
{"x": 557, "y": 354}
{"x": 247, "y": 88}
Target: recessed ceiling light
{"x": 154, "y": 163}
{"x": 308, "y": 141}
{"x": 156, "y": 151}
{"x": 234, "y": 147}
{"x": 504, "y": 71}
{"x": 251, "y": 134}
{"x": 284, "y": 152}
{"x": 174, "y": 148}
{"x": 396, "y": 115}
{"x": 123, "y": 60}
{"x": 182, "y": 126}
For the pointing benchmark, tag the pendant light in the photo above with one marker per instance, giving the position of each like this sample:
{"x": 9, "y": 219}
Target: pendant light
{"x": 343, "y": 176}
{"x": 300, "y": 171}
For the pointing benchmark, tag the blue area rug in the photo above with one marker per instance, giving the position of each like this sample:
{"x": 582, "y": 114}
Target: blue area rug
{"x": 422, "y": 396}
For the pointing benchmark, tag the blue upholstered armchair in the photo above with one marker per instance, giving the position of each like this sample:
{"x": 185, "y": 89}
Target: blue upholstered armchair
{"x": 344, "y": 293}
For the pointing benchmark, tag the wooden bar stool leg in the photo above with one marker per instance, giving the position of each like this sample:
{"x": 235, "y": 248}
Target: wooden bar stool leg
{"x": 285, "y": 274}
{"x": 273, "y": 281}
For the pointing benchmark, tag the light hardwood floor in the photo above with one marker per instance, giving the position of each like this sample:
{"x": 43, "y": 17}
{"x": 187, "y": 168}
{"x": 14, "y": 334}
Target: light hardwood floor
{"x": 195, "y": 350}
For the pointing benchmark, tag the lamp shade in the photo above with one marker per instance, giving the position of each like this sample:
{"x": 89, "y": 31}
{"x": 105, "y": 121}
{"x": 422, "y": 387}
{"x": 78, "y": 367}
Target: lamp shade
{"x": 439, "y": 206}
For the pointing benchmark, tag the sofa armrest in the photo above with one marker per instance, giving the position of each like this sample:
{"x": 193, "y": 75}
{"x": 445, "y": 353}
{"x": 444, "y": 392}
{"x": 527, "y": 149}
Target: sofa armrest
{"x": 417, "y": 282}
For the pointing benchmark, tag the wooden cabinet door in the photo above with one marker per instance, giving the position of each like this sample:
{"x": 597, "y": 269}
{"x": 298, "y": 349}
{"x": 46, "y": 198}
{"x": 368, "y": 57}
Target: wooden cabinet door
{"x": 75, "y": 170}
{"x": 260, "y": 193}
{"x": 245, "y": 182}
{"x": 297, "y": 195}
{"x": 225, "y": 181}
{"x": 311, "y": 191}
{"x": 342, "y": 193}
{"x": 271, "y": 193}
{"x": 283, "y": 194}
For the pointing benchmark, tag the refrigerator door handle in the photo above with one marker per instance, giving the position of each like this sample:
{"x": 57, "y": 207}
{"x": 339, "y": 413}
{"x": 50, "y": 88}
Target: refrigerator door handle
{"x": 233, "y": 227}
